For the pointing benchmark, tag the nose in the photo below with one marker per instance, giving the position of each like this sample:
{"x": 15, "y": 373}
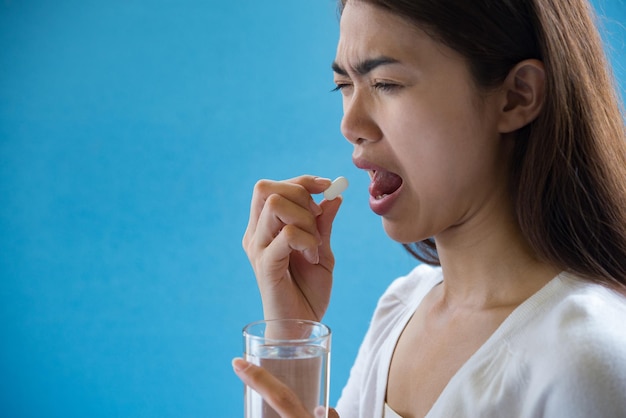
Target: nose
{"x": 358, "y": 124}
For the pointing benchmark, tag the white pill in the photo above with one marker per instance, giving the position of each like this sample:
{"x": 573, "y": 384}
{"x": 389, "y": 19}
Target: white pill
{"x": 338, "y": 186}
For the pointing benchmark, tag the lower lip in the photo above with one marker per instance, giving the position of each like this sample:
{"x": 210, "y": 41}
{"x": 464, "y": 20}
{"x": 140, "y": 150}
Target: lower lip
{"x": 383, "y": 206}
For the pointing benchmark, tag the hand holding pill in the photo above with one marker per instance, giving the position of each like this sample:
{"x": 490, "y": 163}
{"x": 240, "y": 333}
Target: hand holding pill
{"x": 288, "y": 242}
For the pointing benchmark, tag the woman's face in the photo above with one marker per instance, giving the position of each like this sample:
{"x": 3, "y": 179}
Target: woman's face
{"x": 419, "y": 125}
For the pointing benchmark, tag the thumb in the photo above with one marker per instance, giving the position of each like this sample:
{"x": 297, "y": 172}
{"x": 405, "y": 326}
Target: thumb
{"x": 325, "y": 226}
{"x": 332, "y": 413}
{"x": 325, "y": 220}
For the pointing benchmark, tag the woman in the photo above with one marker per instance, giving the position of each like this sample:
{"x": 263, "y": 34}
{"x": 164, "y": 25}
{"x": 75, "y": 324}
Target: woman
{"x": 493, "y": 138}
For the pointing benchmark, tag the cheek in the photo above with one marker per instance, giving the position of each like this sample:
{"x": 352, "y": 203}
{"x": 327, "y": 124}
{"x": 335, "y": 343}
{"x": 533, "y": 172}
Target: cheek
{"x": 429, "y": 149}
{"x": 444, "y": 162}
{"x": 440, "y": 139}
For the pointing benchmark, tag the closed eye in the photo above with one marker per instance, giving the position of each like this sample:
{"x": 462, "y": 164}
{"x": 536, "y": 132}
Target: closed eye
{"x": 381, "y": 86}
{"x": 386, "y": 87}
{"x": 341, "y": 86}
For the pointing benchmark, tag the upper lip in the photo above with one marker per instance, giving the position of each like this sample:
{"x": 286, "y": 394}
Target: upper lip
{"x": 365, "y": 164}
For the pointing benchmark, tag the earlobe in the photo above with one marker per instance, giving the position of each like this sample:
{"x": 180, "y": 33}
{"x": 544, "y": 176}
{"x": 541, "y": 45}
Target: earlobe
{"x": 523, "y": 95}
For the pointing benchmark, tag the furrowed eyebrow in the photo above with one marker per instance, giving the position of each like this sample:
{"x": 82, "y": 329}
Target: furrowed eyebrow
{"x": 366, "y": 66}
{"x": 337, "y": 69}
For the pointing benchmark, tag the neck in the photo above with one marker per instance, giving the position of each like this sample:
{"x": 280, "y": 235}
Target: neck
{"x": 489, "y": 265}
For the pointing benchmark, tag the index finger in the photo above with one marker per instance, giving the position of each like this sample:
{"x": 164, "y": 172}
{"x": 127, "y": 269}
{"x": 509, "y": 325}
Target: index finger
{"x": 274, "y": 392}
{"x": 298, "y": 190}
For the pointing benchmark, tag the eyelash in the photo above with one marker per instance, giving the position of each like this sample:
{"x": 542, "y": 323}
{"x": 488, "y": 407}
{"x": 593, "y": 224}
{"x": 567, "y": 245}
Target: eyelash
{"x": 340, "y": 87}
{"x": 382, "y": 86}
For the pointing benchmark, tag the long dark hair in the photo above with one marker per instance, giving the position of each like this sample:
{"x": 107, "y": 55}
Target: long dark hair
{"x": 569, "y": 165}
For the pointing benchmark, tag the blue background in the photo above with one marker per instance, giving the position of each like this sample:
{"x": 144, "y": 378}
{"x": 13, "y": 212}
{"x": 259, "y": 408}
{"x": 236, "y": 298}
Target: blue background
{"x": 131, "y": 136}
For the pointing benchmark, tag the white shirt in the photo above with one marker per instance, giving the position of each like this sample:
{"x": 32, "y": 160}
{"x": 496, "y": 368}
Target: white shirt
{"x": 390, "y": 413}
{"x": 561, "y": 353}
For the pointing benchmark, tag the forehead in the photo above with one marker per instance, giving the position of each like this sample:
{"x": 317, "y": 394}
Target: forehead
{"x": 367, "y": 30}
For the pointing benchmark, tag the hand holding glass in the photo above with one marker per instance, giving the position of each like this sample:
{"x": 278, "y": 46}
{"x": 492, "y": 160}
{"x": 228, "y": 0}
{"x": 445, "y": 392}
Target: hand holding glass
{"x": 297, "y": 352}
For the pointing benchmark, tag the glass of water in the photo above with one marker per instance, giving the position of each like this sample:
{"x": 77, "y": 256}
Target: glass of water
{"x": 295, "y": 351}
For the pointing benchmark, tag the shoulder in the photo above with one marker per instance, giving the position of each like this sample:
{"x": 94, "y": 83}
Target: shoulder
{"x": 580, "y": 354}
{"x": 589, "y": 314}
{"x": 571, "y": 310}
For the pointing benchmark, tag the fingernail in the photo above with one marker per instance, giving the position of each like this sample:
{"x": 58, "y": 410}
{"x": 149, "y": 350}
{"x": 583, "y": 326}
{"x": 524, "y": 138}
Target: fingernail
{"x": 322, "y": 181}
{"x": 240, "y": 364}
{"x": 313, "y": 256}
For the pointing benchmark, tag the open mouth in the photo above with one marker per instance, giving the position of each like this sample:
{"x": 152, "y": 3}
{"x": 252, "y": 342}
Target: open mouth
{"x": 384, "y": 183}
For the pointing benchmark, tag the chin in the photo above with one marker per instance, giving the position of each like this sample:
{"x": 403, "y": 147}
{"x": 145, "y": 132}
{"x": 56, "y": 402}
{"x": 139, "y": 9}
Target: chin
{"x": 402, "y": 233}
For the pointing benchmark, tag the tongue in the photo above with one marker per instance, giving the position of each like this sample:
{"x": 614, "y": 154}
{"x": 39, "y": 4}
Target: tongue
{"x": 384, "y": 183}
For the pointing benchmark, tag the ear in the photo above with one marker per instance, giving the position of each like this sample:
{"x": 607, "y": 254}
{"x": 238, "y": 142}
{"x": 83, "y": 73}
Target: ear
{"x": 523, "y": 95}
